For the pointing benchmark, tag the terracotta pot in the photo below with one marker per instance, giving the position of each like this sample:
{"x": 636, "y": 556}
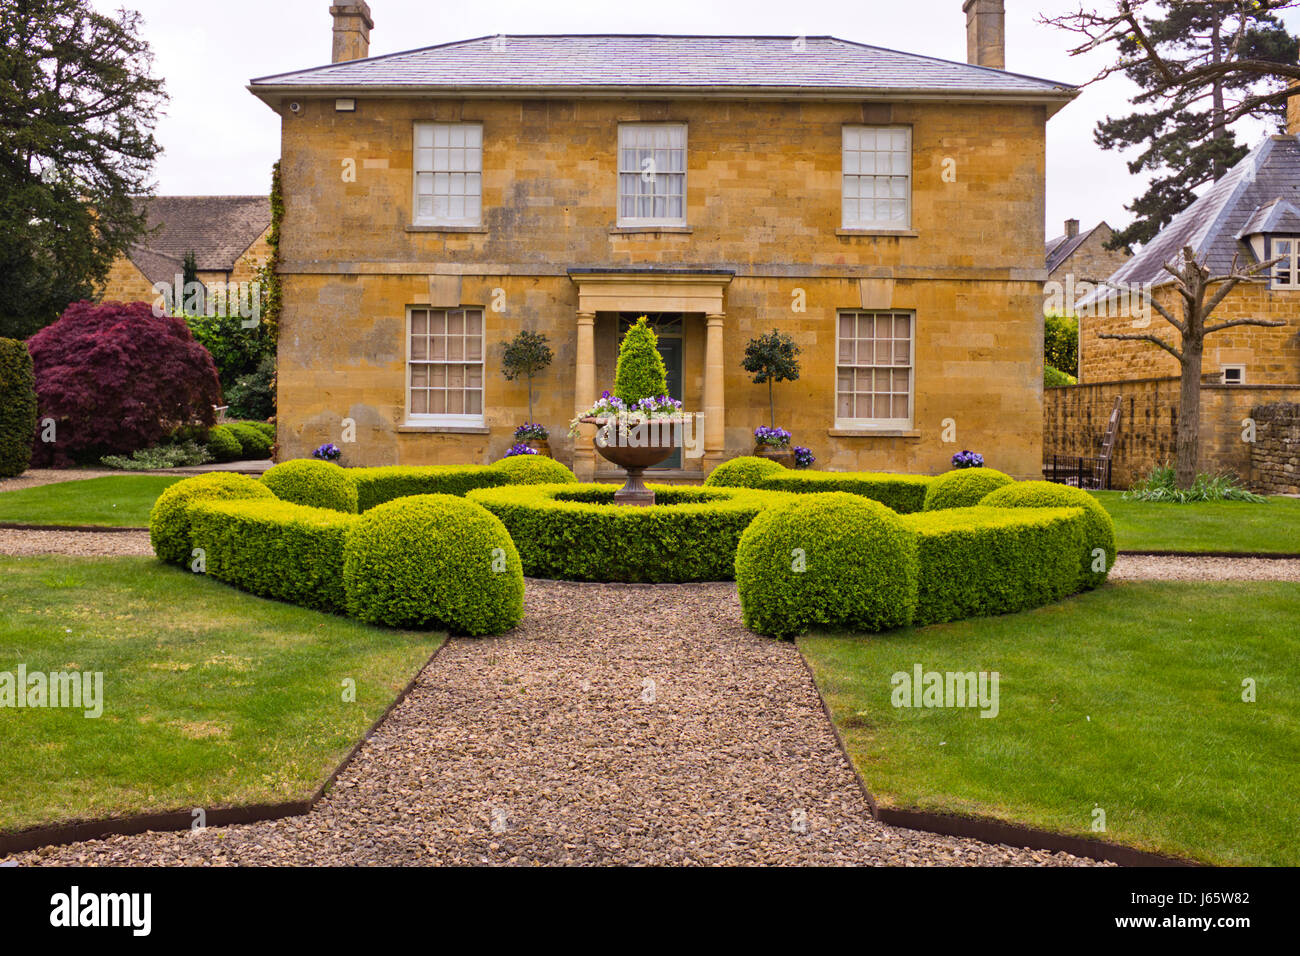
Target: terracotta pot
{"x": 782, "y": 456}
{"x": 633, "y": 459}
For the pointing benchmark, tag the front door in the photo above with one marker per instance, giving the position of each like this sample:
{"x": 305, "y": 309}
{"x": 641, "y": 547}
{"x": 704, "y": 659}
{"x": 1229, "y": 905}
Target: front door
{"x": 668, "y": 331}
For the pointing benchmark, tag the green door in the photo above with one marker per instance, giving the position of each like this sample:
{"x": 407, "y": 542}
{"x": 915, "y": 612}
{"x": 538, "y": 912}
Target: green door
{"x": 668, "y": 331}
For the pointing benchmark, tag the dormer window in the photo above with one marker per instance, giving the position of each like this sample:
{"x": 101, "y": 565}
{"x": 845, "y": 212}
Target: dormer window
{"x": 1286, "y": 273}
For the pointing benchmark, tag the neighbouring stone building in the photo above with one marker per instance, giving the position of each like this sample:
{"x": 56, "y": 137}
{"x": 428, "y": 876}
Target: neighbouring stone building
{"x": 227, "y": 235}
{"x": 1082, "y": 255}
{"x": 883, "y": 208}
{"x": 1250, "y": 215}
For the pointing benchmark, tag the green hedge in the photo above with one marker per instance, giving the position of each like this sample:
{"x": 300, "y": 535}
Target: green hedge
{"x": 901, "y": 493}
{"x": 169, "y": 521}
{"x": 534, "y": 470}
{"x": 317, "y": 484}
{"x": 17, "y": 408}
{"x": 982, "y": 560}
{"x": 578, "y": 534}
{"x": 747, "y": 471}
{"x": 378, "y": 485}
{"x": 963, "y": 488}
{"x": 254, "y": 445}
{"x": 223, "y": 444}
{"x": 276, "y": 549}
{"x": 1099, "y": 533}
{"x": 835, "y": 561}
{"x": 433, "y": 560}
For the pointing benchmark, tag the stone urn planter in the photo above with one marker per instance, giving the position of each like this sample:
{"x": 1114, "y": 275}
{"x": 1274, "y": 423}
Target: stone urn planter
{"x": 634, "y": 458}
{"x": 540, "y": 445}
{"x": 782, "y": 456}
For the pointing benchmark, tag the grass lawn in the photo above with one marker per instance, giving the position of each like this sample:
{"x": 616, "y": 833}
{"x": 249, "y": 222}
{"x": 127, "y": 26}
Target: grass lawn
{"x": 1205, "y": 526}
{"x": 121, "y": 501}
{"x": 211, "y": 696}
{"x": 1127, "y": 699}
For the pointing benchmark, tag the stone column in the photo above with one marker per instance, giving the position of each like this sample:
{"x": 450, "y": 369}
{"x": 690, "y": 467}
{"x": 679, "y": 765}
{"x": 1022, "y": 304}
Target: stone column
{"x": 714, "y": 401}
{"x": 584, "y": 395}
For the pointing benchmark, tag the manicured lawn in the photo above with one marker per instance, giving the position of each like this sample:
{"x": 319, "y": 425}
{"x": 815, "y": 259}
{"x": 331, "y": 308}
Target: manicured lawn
{"x": 1205, "y": 526}
{"x": 211, "y": 696}
{"x": 121, "y": 501}
{"x": 1126, "y": 699}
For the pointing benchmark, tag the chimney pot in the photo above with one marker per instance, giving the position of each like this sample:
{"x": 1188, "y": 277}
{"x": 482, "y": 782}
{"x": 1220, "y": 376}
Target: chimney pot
{"x": 352, "y": 26}
{"x": 1071, "y": 228}
{"x": 985, "y": 33}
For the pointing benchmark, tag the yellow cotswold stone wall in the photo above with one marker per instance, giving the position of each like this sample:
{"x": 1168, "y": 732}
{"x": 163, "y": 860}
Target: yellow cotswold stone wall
{"x": 1271, "y": 355}
{"x": 763, "y": 200}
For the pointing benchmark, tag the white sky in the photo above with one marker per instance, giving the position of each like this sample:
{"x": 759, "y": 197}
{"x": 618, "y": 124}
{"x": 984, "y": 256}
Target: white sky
{"x": 219, "y": 140}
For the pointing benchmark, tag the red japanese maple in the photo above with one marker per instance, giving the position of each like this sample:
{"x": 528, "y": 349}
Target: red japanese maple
{"x": 116, "y": 378}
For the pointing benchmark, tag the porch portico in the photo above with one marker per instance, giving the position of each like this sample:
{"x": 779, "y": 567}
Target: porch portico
{"x": 686, "y": 291}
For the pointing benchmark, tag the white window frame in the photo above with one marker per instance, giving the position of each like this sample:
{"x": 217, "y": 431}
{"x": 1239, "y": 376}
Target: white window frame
{"x": 883, "y": 424}
{"x": 425, "y": 162}
{"x": 852, "y": 177}
{"x": 1241, "y": 369}
{"x": 449, "y": 420}
{"x": 640, "y": 221}
{"x": 1289, "y": 266}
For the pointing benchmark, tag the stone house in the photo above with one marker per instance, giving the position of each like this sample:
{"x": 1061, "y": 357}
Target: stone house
{"x": 227, "y": 235}
{"x": 1082, "y": 255}
{"x": 1250, "y": 215}
{"x": 883, "y": 208}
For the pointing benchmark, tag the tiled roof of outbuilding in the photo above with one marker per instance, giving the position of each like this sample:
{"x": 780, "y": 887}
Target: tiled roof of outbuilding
{"x": 217, "y": 229}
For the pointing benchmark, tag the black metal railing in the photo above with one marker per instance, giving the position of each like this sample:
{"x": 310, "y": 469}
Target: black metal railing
{"x": 1092, "y": 473}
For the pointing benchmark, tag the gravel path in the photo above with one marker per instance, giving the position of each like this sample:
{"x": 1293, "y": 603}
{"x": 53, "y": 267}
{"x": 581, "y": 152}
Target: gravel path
{"x": 84, "y": 543}
{"x": 1146, "y": 567}
{"x": 35, "y": 477}
{"x": 617, "y": 725}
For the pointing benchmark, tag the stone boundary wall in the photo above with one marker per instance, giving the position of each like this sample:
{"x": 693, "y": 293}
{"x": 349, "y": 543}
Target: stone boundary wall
{"x": 1275, "y": 454}
{"x": 1075, "y": 416}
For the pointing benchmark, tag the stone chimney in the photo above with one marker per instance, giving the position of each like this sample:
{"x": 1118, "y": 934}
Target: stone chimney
{"x": 985, "y": 33}
{"x": 352, "y": 26}
{"x": 1071, "y": 228}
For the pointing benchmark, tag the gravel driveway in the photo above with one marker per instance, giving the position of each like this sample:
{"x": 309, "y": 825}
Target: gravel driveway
{"x": 618, "y": 725}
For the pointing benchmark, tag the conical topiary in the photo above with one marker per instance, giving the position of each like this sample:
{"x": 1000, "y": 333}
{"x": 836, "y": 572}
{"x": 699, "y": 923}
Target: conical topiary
{"x": 640, "y": 373}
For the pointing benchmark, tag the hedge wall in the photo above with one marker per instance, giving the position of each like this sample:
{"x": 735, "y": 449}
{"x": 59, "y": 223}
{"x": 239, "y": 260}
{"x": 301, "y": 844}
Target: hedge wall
{"x": 17, "y": 408}
{"x": 169, "y": 521}
{"x": 1097, "y": 555}
{"x": 981, "y": 560}
{"x": 578, "y": 534}
{"x": 317, "y": 484}
{"x": 274, "y": 548}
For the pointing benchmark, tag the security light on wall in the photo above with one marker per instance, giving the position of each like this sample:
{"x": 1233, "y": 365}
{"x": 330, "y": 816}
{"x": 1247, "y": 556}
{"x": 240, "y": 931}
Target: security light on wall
{"x": 345, "y": 106}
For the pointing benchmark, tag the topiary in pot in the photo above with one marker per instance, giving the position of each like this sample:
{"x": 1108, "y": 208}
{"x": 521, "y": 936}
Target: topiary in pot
{"x": 827, "y": 561}
{"x": 319, "y": 484}
{"x": 963, "y": 488}
{"x": 640, "y": 372}
{"x": 169, "y": 523}
{"x": 433, "y": 561}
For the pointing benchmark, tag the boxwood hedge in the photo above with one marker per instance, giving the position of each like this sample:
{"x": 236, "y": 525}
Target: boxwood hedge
{"x": 901, "y": 493}
{"x": 254, "y": 445}
{"x": 836, "y": 561}
{"x": 433, "y": 560}
{"x": 223, "y": 444}
{"x": 317, "y": 484}
{"x": 534, "y": 470}
{"x": 1099, "y": 529}
{"x": 743, "y": 472}
{"x": 576, "y": 533}
{"x": 963, "y": 487}
{"x": 982, "y": 560}
{"x": 169, "y": 521}
{"x": 276, "y": 549}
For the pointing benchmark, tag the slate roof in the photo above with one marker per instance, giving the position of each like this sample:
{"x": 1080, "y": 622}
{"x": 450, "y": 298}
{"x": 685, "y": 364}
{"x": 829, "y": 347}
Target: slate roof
{"x": 217, "y": 229}
{"x": 670, "y": 63}
{"x": 1213, "y": 224}
{"x": 1062, "y": 247}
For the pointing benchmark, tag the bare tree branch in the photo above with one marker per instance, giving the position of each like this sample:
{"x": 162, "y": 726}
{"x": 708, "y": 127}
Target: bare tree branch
{"x": 1143, "y": 337}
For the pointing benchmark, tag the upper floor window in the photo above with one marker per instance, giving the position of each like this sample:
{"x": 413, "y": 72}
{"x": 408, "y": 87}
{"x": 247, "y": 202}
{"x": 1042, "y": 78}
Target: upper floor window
{"x": 873, "y": 369}
{"x": 652, "y": 174}
{"x": 877, "y": 177}
{"x": 448, "y": 174}
{"x": 1286, "y": 274}
{"x": 445, "y": 366}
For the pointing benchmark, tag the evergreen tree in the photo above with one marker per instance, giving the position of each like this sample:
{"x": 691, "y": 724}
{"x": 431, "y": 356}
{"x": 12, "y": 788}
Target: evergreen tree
{"x": 640, "y": 372}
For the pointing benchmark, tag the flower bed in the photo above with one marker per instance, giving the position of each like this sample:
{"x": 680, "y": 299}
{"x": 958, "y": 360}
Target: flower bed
{"x": 576, "y": 533}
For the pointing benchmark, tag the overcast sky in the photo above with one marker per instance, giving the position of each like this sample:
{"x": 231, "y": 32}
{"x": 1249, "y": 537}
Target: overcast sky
{"x": 219, "y": 140}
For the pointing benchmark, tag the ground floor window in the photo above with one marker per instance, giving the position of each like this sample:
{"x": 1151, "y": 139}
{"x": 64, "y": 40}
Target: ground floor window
{"x": 445, "y": 366}
{"x": 873, "y": 374}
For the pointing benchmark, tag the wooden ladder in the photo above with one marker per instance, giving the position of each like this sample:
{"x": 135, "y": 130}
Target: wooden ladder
{"x": 1108, "y": 442}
